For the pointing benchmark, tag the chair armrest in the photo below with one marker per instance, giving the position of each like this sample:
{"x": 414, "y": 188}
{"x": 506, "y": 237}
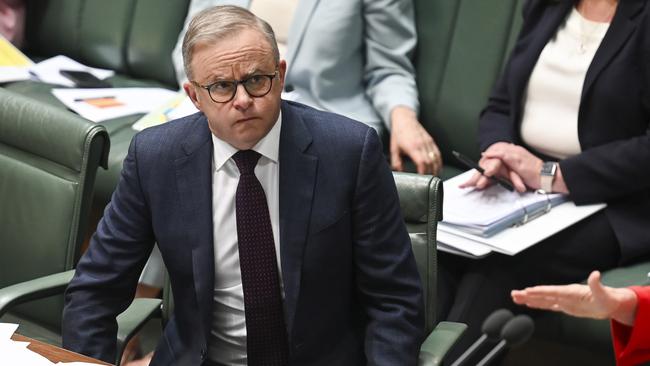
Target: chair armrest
{"x": 435, "y": 347}
{"x": 134, "y": 318}
{"x": 34, "y": 289}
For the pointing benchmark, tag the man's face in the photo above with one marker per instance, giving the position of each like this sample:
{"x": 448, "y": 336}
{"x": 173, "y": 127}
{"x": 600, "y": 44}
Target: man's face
{"x": 244, "y": 120}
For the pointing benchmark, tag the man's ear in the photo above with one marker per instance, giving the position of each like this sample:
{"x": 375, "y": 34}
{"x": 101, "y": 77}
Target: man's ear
{"x": 282, "y": 70}
{"x": 190, "y": 90}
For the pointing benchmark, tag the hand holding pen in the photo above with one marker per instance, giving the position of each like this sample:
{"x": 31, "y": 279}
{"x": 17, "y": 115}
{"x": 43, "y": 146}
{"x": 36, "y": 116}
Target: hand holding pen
{"x": 476, "y": 180}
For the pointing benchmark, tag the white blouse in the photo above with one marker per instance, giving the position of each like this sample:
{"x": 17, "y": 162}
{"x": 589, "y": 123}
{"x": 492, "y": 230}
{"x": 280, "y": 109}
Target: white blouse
{"x": 552, "y": 101}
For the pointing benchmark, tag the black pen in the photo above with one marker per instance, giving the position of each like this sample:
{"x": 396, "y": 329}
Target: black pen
{"x": 472, "y": 165}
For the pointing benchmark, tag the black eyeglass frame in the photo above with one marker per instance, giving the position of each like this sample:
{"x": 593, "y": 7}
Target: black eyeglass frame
{"x": 236, "y": 86}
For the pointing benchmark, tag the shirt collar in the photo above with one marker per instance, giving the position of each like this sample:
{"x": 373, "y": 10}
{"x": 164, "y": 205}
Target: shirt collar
{"x": 268, "y": 146}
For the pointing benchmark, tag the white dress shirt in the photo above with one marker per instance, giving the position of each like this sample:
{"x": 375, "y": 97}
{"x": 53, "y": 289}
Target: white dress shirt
{"x": 550, "y": 120}
{"x": 227, "y": 344}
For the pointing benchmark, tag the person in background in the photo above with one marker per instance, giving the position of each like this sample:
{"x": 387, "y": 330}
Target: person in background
{"x": 12, "y": 21}
{"x": 628, "y": 309}
{"x": 568, "y": 115}
{"x": 269, "y": 262}
{"x": 350, "y": 57}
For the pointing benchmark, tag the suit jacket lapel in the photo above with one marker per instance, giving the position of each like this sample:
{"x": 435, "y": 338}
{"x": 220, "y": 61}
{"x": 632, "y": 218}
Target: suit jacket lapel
{"x": 297, "y": 181}
{"x": 194, "y": 181}
{"x": 548, "y": 25}
{"x": 301, "y": 19}
{"x": 619, "y": 32}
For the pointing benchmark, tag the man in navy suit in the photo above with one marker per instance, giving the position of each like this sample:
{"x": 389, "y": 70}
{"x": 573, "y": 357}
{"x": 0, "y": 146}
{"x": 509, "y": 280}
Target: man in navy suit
{"x": 342, "y": 268}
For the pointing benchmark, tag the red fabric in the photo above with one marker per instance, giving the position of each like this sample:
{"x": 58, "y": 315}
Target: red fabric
{"x": 632, "y": 344}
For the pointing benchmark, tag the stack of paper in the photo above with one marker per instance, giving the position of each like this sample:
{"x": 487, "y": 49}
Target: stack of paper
{"x": 178, "y": 106}
{"x": 468, "y": 214}
{"x": 492, "y": 210}
{"x": 14, "y": 65}
{"x": 14, "y": 353}
{"x": 49, "y": 71}
{"x": 106, "y": 103}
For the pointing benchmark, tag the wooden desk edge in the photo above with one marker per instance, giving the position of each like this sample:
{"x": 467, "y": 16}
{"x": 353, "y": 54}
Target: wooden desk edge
{"x": 54, "y": 353}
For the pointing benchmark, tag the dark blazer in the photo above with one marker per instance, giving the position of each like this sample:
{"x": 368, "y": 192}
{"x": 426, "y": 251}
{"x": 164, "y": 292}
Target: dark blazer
{"x": 613, "y": 120}
{"x": 350, "y": 279}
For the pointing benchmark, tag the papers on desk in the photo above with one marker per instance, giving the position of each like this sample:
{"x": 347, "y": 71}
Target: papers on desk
{"x": 492, "y": 210}
{"x": 49, "y": 71}
{"x": 106, "y": 103}
{"x": 13, "y": 353}
{"x": 178, "y": 106}
{"x": 510, "y": 240}
{"x": 14, "y": 65}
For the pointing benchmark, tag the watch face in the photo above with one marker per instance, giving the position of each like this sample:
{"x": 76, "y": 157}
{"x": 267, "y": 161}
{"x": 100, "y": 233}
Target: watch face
{"x": 548, "y": 168}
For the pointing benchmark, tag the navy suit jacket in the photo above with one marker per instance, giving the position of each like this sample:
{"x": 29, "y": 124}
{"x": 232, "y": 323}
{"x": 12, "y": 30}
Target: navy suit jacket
{"x": 613, "y": 120}
{"x": 352, "y": 291}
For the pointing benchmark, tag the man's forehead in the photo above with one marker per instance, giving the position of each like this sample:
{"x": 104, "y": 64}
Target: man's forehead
{"x": 242, "y": 53}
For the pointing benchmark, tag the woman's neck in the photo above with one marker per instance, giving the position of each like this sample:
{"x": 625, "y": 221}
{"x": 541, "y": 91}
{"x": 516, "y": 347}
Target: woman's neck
{"x": 597, "y": 10}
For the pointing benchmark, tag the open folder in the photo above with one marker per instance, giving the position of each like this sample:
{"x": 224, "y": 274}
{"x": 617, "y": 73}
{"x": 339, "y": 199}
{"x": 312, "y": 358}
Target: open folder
{"x": 469, "y": 214}
{"x": 489, "y": 211}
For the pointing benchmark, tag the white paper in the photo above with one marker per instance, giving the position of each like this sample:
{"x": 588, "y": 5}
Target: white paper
{"x": 515, "y": 239}
{"x": 77, "y": 364}
{"x": 468, "y": 206}
{"x": 49, "y": 71}
{"x": 14, "y": 73}
{"x": 7, "y": 330}
{"x": 128, "y": 101}
{"x": 16, "y": 354}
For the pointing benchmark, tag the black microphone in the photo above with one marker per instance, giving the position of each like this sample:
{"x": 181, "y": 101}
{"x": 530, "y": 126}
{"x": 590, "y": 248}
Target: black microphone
{"x": 491, "y": 329}
{"x": 515, "y": 332}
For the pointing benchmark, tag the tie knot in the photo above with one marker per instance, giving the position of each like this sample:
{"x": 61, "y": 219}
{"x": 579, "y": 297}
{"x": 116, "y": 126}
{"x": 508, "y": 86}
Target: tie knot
{"x": 246, "y": 161}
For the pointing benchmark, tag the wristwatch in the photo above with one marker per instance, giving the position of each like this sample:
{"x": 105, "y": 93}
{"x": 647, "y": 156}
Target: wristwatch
{"x": 547, "y": 175}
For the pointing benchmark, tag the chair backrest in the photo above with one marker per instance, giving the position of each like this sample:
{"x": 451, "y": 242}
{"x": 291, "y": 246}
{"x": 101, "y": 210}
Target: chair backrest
{"x": 48, "y": 161}
{"x": 420, "y": 199}
{"x": 132, "y": 37}
{"x": 462, "y": 46}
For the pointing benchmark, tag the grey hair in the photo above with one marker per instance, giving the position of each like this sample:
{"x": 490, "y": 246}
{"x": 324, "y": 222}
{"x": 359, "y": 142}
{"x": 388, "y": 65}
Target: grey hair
{"x": 219, "y": 22}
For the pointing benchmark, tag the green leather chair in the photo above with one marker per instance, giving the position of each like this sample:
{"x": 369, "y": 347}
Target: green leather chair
{"x": 47, "y": 172}
{"x": 421, "y": 198}
{"x": 134, "y": 38}
{"x": 48, "y": 161}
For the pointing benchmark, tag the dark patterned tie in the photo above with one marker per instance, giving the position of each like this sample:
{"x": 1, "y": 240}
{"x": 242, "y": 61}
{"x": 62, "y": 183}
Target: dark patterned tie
{"x": 265, "y": 329}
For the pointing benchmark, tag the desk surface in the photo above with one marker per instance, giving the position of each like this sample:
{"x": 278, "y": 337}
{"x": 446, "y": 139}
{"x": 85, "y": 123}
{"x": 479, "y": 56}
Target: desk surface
{"x": 53, "y": 353}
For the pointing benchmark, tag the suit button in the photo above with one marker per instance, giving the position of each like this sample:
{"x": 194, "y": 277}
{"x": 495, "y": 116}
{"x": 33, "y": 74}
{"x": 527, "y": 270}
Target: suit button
{"x": 202, "y": 354}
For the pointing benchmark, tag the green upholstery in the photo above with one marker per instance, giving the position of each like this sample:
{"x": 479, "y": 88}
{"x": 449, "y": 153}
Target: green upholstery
{"x": 461, "y": 48}
{"x": 421, "y": 200}
{"x": 48, "y": 160}
{"x": 134, "y": 38}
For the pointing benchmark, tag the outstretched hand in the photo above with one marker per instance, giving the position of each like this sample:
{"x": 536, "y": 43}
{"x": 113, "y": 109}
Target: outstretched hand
{"x": 588, "y": 301}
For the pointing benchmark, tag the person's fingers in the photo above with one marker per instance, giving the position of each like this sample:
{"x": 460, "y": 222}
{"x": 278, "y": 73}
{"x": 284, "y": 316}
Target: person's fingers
{"x": 597, "y": 287}
{"x": 517, "y": 182}
{"x": 395, "y": 158}
{"x": 471, "y": 182}
{"x": 483, "y": 182}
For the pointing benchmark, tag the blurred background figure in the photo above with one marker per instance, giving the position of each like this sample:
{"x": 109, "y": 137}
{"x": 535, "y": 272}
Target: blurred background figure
{"x": 12, "y": 21}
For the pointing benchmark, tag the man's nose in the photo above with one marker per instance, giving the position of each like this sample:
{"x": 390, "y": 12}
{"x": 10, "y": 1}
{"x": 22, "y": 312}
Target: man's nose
{"x": 242, "y": 99}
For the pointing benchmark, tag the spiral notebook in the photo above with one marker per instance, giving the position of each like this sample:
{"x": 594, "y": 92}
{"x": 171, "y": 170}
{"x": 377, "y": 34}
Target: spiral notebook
{"x": 476, "y": 223}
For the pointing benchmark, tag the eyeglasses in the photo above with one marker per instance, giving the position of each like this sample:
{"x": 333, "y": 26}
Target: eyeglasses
{"x": 223, "y": 91}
